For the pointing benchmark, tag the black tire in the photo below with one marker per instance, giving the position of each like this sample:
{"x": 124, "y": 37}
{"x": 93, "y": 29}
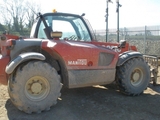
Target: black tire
{"x": 34, "y": 87}
{"x": 133, "y": 76}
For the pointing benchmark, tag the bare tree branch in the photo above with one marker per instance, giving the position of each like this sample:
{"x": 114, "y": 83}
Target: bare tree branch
{"x": 18, "y": 14}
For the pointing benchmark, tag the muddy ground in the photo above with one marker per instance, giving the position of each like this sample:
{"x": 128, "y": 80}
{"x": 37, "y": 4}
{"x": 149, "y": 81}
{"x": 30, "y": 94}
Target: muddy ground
{"x": 91, "y": 103}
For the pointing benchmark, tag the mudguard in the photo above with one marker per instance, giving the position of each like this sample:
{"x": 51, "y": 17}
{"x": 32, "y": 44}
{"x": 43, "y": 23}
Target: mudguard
{"x": 128, "y": 55}
{"x": 22, "y": 58}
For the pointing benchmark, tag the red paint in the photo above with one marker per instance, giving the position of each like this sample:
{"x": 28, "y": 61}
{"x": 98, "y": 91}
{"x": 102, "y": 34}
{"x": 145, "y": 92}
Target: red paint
{"x": 12, "y": 37}
{"x": 75, "y": 54}
{"x": 3, "y": 47}
{"x": 4, "y": 60}
{"x": 3, "y": 76}
{"x": 126, "y": 48}
{"x": 72, "y": 51}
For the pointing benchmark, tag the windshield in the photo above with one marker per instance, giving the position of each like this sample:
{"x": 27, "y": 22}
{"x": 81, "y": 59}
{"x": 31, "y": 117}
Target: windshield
{"x": 72, "y": 28}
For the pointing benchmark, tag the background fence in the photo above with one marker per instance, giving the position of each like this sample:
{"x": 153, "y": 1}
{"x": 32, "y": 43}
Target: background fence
{"x": 146, "y": 39}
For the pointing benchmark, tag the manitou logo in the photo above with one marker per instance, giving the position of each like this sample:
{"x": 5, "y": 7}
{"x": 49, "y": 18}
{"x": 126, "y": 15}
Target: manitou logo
{"x": 78, "y": 62}
{"x": 115, "y": 48}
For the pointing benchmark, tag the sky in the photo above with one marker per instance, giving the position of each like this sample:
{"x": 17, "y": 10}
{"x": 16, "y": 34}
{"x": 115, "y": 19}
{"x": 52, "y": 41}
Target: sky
{"x": 133, "y": 13}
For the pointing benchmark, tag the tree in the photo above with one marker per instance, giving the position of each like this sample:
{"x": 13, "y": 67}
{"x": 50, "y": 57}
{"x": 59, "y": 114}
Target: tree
{"x": 18, "y": 15}
{"x": 2, "y": 27}
{"x": 33, "y": 9}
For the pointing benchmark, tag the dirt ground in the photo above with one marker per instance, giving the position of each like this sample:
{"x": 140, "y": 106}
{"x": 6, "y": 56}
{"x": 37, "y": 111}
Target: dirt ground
{"x": 91, "y": 103}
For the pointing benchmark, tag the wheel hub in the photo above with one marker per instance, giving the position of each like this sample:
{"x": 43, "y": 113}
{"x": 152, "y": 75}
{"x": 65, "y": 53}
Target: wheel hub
{"x": 36, "y": 88}
{"x": 136, "y": 77}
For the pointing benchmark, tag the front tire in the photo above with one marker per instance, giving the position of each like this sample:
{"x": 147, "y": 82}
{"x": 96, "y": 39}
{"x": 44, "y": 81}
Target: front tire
{"x": 133, "y": 76}
{"x": 34, "y": 87}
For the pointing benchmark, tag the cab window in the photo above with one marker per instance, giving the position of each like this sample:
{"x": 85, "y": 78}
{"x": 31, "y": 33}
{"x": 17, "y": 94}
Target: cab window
{"x": 72, "y": 28}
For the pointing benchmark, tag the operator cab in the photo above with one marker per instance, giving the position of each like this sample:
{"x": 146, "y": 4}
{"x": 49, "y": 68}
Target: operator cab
{"x": 71, "y": 27}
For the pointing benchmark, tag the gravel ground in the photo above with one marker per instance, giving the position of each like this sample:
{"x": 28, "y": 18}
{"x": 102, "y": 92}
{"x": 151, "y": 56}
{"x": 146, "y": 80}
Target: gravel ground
{"x": 91, "y": 103}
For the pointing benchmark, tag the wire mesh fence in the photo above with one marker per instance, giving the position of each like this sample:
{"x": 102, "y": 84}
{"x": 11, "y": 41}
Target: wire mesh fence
{"x": 146, "y": 39}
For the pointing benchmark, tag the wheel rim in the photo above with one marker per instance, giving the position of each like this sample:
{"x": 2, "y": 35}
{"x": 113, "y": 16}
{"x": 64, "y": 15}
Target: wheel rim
{"x": 37, "y": 88}
{"x": 136, "y": 77}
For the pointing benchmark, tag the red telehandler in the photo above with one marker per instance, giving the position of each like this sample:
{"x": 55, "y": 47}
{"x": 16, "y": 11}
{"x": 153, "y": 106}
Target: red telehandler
{"x": 62, "y": 49}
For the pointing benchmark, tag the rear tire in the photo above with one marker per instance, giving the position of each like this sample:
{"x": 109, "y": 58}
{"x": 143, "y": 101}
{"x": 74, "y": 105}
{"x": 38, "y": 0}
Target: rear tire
{"x": 34, "y": 87}
{"x": 133, "y": 76}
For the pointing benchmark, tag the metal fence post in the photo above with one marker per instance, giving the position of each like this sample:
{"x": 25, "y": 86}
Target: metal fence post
{"x": 124, "y": 33}
{"x": 145, "y": 35}
{"x": 107, "y": 22}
